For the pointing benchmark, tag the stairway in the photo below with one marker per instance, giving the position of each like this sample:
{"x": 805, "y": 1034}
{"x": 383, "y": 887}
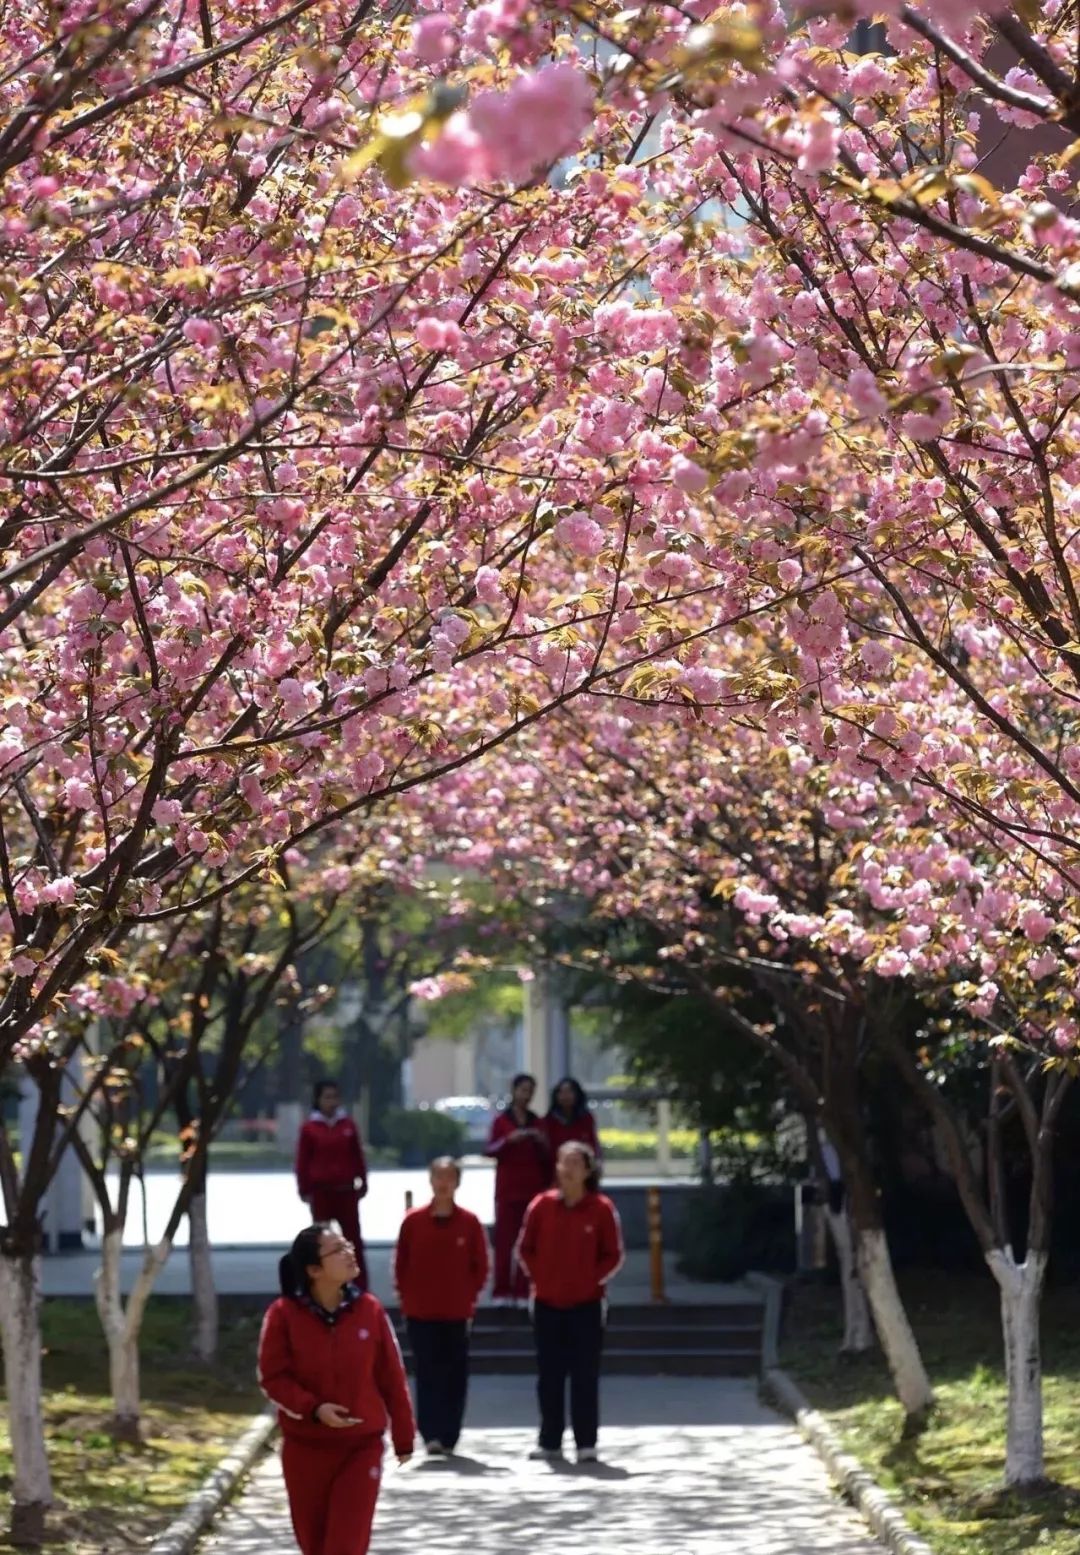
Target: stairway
{"x": 640, "y": 1340}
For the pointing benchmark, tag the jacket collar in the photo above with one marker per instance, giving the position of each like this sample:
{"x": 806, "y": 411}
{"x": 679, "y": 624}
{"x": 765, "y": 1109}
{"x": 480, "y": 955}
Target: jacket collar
{"x": 455, "y": 1209}
{"x": 316, "y": 1116}
{"x": 350, "y": 1295}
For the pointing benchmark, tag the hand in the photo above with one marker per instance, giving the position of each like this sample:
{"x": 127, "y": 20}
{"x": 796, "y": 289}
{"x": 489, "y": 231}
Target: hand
{"x": 403, "y": 1457}
{"x": 334, "y": 1416}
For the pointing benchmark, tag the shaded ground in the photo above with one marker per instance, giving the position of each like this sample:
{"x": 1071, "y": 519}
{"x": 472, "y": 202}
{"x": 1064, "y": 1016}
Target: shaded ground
{"x": 692, "y": 1466}
{"x": 948, "y": 1480}
{"x": 116, "y": 1498}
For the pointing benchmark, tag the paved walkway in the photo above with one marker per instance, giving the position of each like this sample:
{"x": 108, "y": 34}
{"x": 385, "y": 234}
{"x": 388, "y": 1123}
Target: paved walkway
{"x": 693, "y": 1467}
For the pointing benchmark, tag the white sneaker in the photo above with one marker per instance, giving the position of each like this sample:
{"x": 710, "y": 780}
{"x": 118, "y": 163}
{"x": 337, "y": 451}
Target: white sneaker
{"x": 545, "y": 1454}
{"x": 436, "y": 1450}
{"x": 588, "y": 1455}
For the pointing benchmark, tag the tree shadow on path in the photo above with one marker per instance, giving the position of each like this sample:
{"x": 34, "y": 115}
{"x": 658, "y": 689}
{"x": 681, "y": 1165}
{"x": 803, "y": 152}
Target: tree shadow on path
{"x": 741, "y": 1480}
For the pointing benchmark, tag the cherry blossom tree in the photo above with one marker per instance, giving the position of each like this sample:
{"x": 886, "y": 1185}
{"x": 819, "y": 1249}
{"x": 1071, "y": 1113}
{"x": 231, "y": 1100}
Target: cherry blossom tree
{"x": 759, "y": 869}
{"x": 371, "y": 390}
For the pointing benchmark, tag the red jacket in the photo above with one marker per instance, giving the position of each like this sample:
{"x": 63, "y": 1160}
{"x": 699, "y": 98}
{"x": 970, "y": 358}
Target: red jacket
{"x": 329, "y": 1154}
{"x": 570, "y": 1251}
{"x": 522, "y": 1166}
{"x": 440, "y": 1264}
{"x": 306, "y": 1360}
{"x": 582, "y": 1130}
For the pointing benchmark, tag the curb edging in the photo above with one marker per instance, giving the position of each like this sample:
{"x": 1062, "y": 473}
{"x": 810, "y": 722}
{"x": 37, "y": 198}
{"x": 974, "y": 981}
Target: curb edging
{"x": 876, "y": 1505}
{"x": 184, "y": 1532}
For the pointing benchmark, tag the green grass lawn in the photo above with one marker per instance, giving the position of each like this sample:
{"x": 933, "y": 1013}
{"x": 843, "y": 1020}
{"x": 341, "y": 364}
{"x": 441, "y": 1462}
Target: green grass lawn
{"x": 116, "y": 1498}
{"x": 949, "y": 1480}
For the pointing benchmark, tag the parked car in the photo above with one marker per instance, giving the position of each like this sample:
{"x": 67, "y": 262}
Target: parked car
{"x": 474, "y": 1113}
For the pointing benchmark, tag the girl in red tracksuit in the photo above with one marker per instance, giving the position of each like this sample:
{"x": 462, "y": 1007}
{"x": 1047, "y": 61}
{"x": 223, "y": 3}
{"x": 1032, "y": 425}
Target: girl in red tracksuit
{"x": 522, "y": 1170}
{"x": 569, "y": 1119}
{"x": 571, "y": 1245}
{"x": 331, "y": 1172}
{"x": 329, "y": 1360}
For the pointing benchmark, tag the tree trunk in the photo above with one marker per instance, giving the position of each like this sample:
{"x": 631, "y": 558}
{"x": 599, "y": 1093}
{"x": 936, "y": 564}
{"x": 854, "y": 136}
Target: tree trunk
{"x": 1021, "y": 1288}
{"x": 123, "y": 1354}
{"x": 204, "y": 1301}
{"x": 909, "y": 1376}
{"x": 858, "y": 1327}
{"x": 20, "y": 1331}
{"x": 122, "y": 1323}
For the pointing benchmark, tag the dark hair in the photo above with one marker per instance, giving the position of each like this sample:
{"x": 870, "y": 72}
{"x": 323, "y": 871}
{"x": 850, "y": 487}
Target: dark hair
{"x": 324, "y": 1085}
{"x": 581, "y": 1101}
{"x": 448, "y": 1162}
{"x": 293, "y": 1274}
{"x": 519, "y": 1078}
{"x": 592, "y": 1165}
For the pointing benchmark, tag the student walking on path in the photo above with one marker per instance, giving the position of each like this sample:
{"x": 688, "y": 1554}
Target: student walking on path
{"x": 571, "y": 1245}
{"x": 331, "y": 1172}
{"x": 570, "y": 1120}
{"x": 522, "y": 1170}
{"x": 441, "y": 1265}
{"x": 329, "y": 1360}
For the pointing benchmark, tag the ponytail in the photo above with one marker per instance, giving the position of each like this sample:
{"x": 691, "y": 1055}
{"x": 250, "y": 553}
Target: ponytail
{"x": 293, "y": 1276}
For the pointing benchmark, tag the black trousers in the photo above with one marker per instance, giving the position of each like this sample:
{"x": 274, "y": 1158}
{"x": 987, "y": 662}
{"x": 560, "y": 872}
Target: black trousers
{"x": 441, "y": 1355}
{"x": 569, "y": 1341}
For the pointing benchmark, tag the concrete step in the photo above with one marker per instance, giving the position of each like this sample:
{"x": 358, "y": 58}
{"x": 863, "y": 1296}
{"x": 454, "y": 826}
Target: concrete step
{"x": 637, "y": 1315}
{"x": 726, "y": 1336}
{"x": 711, "y": 1362}
{"x": 640, "y": 1340}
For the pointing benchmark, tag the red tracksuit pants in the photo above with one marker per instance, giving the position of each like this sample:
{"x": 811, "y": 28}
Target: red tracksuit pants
{"x": 510, "y": 1277}
{"x": 342, "y": 1205}
{"x": 333, "y": 1487}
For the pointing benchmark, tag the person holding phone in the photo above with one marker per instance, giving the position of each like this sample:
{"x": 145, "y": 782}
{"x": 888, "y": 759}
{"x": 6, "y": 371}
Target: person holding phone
{"x": 522, "y": 1170}
{"x": 329, "y": 1360}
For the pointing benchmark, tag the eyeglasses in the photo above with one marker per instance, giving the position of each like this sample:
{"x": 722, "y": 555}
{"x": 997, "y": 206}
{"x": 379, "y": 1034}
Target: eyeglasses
{"x": 332, "y": 1252}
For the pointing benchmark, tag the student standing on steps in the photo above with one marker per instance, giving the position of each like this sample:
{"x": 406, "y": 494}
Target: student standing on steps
{"x": 329, "y": 1360}
{"x": 571, "y": 1245}
{"x": 522, "y": 1170}
{"x": 440, "y": 1267}
{"x": 570, "y": 1118}
{"x": 331, "y": 1172}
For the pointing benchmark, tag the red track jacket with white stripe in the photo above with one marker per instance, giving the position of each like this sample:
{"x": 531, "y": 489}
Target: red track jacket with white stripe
{"x": 570, "y": 1251}
{"x": 351, "y": 1358}
{"x": 441, "y": 1264}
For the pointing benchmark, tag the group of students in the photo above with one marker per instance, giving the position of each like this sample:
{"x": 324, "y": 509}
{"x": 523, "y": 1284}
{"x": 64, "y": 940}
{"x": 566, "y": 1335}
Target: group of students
{"x": 331, "y": 1170}
{"x": 330, "y": 1362}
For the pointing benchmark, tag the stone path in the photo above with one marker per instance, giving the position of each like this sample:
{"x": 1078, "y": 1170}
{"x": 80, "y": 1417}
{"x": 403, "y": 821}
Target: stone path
{"x": 693, "y": 1467}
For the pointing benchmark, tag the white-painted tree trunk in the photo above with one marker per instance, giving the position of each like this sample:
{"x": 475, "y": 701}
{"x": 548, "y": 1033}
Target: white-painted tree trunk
{"x": 891, "y": 1321}
{"x": 204, "y": 1300}
{"x": 122, "y": 1325}
{"x": 1021, "y": 1287}
{"x": 20, "y": 1330}
{"x": 858, "y": 1326}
